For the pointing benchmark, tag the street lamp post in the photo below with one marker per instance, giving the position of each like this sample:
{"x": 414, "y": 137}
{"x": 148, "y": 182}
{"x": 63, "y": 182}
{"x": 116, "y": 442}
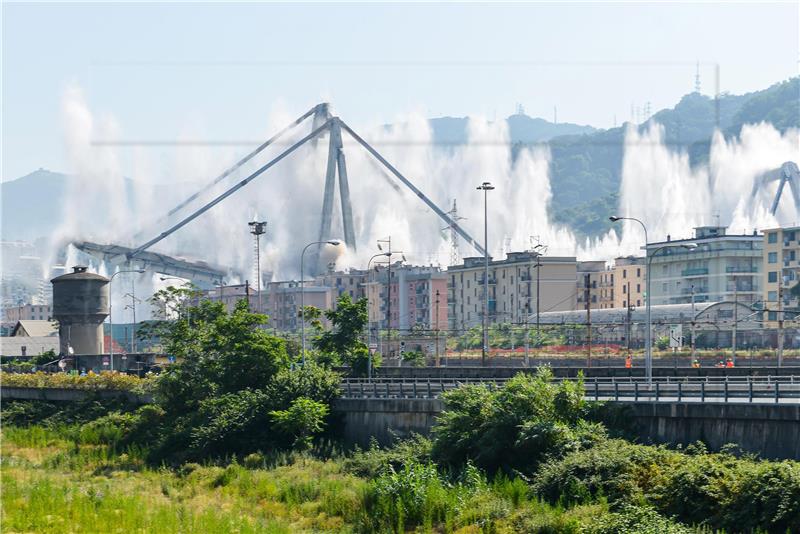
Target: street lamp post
{"x": 648, "y": 361}
{"x": 110, "y": 320}
{"x": 332, "y": 242}
{"x": 485, "y": 187}
{"x": 369, "y": 292}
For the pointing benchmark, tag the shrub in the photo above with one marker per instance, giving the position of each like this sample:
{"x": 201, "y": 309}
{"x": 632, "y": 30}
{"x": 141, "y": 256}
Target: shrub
{"x": 377, "y": 460}
{"x": 254, "y": 460}
{"x": 106, "y": 380}
{"x": 301, "y": 421}
{"x": 635, "y": 520}
{"x": 615, "y": 469}
{"x": 735, "y": 494}
{"x": 515, "y": 427}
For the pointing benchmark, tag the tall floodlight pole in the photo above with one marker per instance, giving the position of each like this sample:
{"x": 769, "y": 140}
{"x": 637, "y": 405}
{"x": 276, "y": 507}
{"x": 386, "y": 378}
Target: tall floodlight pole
{"x": 485, "y": 187}
{"x": 333, "y": 242}
{"x": 110, "y": 321}
{"x": 258, "y": 228}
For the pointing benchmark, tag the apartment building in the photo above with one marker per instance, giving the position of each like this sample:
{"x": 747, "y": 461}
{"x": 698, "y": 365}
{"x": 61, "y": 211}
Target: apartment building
{"x": 781, "y": 259}
{"x": 351, "y": 282}
{"x": 26, "y": 312}
{"x": 592, "y": 283}
{"x": 713, "y": 266}
{"x": 412, "y": 291}
{"x": 518, "y": 286}
{"x": 628, "y": 277}
{"x": 284, "y": 300}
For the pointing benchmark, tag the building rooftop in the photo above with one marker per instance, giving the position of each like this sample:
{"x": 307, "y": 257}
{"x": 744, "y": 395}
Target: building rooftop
{"x": 29, "y": 328}
{"x": 511, "y": 258}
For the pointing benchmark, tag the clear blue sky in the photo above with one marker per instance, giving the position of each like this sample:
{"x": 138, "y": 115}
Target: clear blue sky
{"x": 159, "y": 69}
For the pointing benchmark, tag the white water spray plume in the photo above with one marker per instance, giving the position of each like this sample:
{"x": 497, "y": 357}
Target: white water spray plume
{"x": 659, "y": 186}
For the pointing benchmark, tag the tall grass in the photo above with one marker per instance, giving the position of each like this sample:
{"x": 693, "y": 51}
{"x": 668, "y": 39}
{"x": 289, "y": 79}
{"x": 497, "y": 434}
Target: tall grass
{"x": 78, "y": 481}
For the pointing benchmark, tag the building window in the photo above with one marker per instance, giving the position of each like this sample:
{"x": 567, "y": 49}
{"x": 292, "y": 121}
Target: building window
{"x": 638, "y": 272}
{"x": 772, "y": 316}
{"x": 664, "y": 287}
{"x": 772, "y": 237}
{"x": 772, "y": 296}
{"x": 772, "y": 257}
{"x": 624, "y": 273}
{"x": 772, "y": 277}
{"x": 638, "y": 288}
{"x": 624, "y": 290}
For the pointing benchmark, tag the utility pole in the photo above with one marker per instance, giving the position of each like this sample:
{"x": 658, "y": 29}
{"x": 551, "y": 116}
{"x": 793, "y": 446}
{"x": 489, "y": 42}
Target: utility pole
{"x": 437, "y": 328}
{"x": 694, "y": 343}
{"x": 538, "y": 306}
{"x": 587, "y": 297}
{"x": 527, "y": 333}
{"x": 780, "y": 322}
{"x": 735, "y": 319}
{"x": 388, "y": 254}
{"x": 628, "y": 314}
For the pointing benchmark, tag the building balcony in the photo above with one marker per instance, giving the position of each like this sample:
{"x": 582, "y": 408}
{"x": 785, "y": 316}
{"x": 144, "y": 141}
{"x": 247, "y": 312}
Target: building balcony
{"x": 700, "y": 271}
{"x": 492, "y": 281}
{"x": 697, "y": 290}
{"x": 744, "y": 270}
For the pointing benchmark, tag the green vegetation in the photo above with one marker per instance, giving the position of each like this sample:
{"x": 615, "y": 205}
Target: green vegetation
{"x": 66, "y": 479}
{"x": 108, "y": 380}
{"x": 506, "y": 336}
{"x": 342, "y": 344}
{"x": 239, "y": 441}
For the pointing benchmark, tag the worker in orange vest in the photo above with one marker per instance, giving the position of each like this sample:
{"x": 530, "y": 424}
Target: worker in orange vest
{"x": 628, "y": 362}
{"x": 696, "y": 363}
{"x": 729, "y": 363}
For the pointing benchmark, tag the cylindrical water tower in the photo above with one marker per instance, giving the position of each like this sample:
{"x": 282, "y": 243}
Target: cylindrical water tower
{"x": 80, "y": 305}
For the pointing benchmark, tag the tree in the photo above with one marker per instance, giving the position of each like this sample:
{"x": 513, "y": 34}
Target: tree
{"x": 342, "y": 343}
{"x": 302, "y": 420}
{"x": 218, "y": 353}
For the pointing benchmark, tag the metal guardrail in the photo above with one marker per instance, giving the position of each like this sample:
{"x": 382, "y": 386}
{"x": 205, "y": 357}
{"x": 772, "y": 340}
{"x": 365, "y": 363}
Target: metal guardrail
{"x": 774, "y": 389}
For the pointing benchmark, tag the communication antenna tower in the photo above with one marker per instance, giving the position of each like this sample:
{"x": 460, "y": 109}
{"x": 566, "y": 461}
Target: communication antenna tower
{"x": 697, "y": 78}
{"x": 455, "y": 256}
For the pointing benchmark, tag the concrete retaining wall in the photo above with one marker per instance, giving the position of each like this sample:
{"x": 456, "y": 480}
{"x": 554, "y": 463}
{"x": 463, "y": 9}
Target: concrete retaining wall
{"x": 770, "y": 430}
{"x": 386, "y": 419}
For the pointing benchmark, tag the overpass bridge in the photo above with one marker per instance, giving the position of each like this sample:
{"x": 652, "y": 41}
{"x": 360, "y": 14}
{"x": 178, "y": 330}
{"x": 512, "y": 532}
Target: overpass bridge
{"x": 761, "y": 414}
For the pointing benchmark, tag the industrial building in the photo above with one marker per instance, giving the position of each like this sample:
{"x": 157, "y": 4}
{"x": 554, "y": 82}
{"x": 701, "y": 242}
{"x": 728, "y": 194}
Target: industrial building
{"x": 523, "y": 282}
{"x": 713, "y": 321}
{"x": 715, "y": 267}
